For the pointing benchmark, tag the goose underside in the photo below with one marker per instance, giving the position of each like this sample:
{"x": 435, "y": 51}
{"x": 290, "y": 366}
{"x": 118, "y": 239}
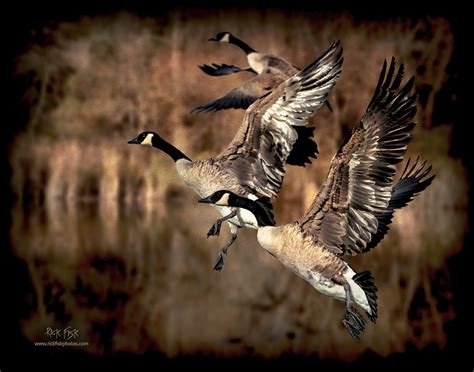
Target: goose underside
{"x": 242, "y": 218}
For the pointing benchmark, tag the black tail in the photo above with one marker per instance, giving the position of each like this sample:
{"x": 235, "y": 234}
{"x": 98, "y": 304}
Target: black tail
{"x": 365, "y": 280}
{"x": 304, "y": 147}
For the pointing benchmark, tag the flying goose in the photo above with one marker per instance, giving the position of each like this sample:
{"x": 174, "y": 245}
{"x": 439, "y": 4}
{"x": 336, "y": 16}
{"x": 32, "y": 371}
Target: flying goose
{"x": 271, "y": 71}
{"x": 272, "y": 134}
{"x": 354, "y": 207}
{"x": 258, "y": 62}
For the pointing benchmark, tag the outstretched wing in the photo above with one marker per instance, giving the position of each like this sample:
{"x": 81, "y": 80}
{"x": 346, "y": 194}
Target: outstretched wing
{"x": 343, "y": 217}
{"x": 259, "y": 151}
{"x": 223, "y": 69}
{"x": 246, "y": 94}
{"x": 410, "y": 184}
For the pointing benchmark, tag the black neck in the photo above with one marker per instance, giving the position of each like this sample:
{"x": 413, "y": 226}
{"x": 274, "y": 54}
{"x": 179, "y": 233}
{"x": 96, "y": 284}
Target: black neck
{"x": 263, "y": 215}
{"x": 245, "y": 47}
{"x": 168, "y": 148}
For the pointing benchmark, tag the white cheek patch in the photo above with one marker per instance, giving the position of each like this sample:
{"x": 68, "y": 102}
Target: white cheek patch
{"x": 147, "y": 140}
{"x": 224, "y": 200}
{"x": 225, "y": 39}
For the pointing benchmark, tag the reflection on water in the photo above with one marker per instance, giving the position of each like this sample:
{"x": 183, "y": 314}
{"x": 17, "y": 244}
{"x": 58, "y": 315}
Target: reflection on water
{"x": 132, "y": 281}
{"x": 117, "y": 249}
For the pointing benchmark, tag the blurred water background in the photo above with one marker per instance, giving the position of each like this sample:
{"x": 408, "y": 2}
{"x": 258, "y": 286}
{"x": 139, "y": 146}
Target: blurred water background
{"x": 116, "y": 246}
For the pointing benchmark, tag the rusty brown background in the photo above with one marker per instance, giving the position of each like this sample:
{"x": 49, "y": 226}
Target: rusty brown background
{"x": 103, "y": 236}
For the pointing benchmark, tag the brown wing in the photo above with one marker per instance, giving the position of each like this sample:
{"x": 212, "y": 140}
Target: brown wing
{"x": 243, "y": 96}
{"x": 412, "y": 182}
{"x": 278, "y": 70}
{"x": 259, "y": 151}
{"x": 343, "y": 217}
{"x": 281, "y": 65}
{"x": 222, "y": 69}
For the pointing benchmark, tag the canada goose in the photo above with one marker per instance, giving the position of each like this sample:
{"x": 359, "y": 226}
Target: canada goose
{"x": 355, "y": 205}
{"x": 258, "y": 62}
{"x": 272, "y": 134}
{"x": 271, "y": 71}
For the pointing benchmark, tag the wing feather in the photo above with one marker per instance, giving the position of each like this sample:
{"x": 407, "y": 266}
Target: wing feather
{"x": 266, "y": 136}
{"x": 246, "y": 94}
{"x": 410, "y": 184}
{"x": 222, "y": 69}
{"x": 359, "y": 183}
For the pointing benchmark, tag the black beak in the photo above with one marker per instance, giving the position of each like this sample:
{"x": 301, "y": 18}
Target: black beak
{"x": 205, "y": 200}
{"x": 213, "y": 38}
{"x": 134, "y": 142}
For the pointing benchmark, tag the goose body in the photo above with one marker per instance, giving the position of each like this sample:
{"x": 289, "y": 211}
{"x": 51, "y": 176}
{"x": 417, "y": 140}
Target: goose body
{"x": 205, "y": 177}
{"x": 331, "y": 270}
{"x": 259, "y": 62}
{"x": 273, "y": 133}
{"x": 355, "y": 205}
{"x": 270, "y": 70}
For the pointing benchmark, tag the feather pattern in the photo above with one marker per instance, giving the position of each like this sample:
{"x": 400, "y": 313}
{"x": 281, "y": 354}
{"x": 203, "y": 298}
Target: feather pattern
{"x": 307, "y": 91}
{"x": 355, "y": 204}
{"x": 412, "y": 182}
{"x": 222, "y": 69}
{"x": 343, "y": 216}
{"x": 243, "y": 96}
{"x": 259, "y": 151}
{"x": 272, "y": 70}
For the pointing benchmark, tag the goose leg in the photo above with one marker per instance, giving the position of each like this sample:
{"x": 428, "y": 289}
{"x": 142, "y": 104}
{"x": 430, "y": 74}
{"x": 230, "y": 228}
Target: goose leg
{"x": 352, "y": 320}
{"x": 216, "y": 226}
{"x": 223, "y": 251}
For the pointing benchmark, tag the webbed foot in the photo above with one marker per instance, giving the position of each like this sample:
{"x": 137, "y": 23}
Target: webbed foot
{"x": 215, "y": 229}
{"x": 219, "y": 262}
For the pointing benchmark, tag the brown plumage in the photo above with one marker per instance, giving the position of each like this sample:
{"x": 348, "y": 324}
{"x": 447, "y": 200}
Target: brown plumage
{"x": 244, "y": 95}
{"x": 258, "y": 153}
{"x": 310, "y": 257}
{"x": 253, "y": 165}
{"x": 359, "y": 183}
{"x": 355, "y": 204}
{"x": 271, "y": 71}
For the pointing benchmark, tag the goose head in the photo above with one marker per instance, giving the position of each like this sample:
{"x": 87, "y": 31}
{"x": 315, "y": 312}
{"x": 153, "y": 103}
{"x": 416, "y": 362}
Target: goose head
{"x": 222, "y": 37}
{"x": 146, "y": 139}
{"x": 260, "y": 208}
{"x": 221, "y": 197}
{"x": 152, "y": 139}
